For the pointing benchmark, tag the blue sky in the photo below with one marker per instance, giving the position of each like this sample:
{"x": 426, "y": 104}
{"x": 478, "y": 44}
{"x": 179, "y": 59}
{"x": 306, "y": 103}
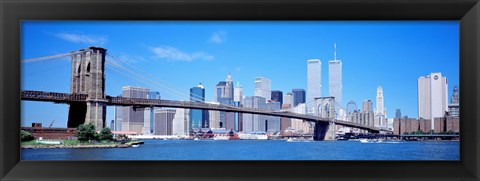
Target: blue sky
{"x": 392, "y": 54}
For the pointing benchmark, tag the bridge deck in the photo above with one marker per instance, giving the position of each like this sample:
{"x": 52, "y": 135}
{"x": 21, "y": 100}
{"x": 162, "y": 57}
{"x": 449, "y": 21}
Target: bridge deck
{"x": 123, "y": 101}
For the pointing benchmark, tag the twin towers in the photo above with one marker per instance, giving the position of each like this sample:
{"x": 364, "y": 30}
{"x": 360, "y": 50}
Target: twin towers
{"x": 314, "y": 80}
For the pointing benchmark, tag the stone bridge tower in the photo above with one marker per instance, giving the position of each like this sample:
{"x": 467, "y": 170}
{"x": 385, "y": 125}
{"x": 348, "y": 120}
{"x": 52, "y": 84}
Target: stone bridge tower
{"x": 88, "y": 77}
{"x": 325, "y": 108}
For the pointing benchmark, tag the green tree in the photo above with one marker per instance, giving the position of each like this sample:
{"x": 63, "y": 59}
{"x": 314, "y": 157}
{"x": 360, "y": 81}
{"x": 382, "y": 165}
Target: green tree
{"x": 86, "y": 132}
{"x": 26, "y": 136}
{"x": 106, "y": 134}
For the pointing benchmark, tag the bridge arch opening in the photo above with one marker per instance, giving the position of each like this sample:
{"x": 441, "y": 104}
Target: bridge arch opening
{"x": 79, "y": 70}
{"x": 88, "y": 69}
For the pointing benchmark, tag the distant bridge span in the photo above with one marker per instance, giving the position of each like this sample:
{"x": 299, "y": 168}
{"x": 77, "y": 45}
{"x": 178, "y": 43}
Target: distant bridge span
{"x": 67, "y": 98}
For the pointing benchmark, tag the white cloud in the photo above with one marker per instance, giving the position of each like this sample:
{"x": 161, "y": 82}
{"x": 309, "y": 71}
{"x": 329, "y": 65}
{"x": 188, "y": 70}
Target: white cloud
{"x": 218, "y": 37}
{"x": 82, "y": 38}
{"x": 172, "y": 53}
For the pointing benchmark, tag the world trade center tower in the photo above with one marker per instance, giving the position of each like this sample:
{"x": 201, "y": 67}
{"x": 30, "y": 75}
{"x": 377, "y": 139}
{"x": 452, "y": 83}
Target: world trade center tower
{"x": 314, "y": 82}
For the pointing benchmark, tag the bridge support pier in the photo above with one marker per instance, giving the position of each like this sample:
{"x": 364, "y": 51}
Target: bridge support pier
{"x": 76, "y": 114}
{"x": 88, "y": 77}
{"x": 96, "y": 114}
{"x": 324, "y": 131}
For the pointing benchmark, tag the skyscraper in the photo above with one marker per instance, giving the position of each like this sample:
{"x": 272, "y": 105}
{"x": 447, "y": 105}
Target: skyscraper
{"x": 238, "y": 101}
{"x": 298, "y": 96}
{"x": 238, "y": 93}
{"x": 198, "y": 118}
{"x": 398, "y": 113}
{"x": 229, "y": 87}
{"x": 263, "y": 87}
{"x": 180, "y": 125}
{"x": 367, "y": 116}
{"x": 118, "y": 117}
{"x": 149, "y": 115}
{"x": 314, "y": 80}
{"x": 432, "y": 96}
{"x": 285, "y": 123}
{"x": 273, "y": 122}
{"x": 164, "y": 121}
{"x": 380, "y": 108}
{"x": 220, "y": 90}
{"x": 335, "y": 79}
{"x": 454, "y": 106}
{"x": 288, "y": 99}
{"x": 254, "y": 122}
{"x": 351, "y": 107}
{"x": 277, "y": 96}
{"x": 133, "y": 118}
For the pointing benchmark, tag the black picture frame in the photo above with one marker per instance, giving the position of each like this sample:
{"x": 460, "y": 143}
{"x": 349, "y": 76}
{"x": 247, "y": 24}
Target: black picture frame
{"x": 12, "y": 12}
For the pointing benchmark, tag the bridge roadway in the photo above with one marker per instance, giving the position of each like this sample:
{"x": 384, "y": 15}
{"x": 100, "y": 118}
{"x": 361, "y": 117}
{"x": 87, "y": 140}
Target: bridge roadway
{"x": 67, "y": 98}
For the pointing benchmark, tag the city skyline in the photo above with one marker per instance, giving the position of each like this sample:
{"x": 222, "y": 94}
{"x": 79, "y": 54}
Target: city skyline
{"x": 211, "y": 37}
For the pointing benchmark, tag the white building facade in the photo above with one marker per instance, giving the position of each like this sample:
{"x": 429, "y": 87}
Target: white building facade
{"x": 263, "y": 87}
{"x": 432, "y": 96}
{"x": 314, "y": 81}
{"x": 254, "y": 122}
{"x": 180, "y": 122}
{"x": 335, "y": 80}
{"x": 238, "y": 93}
{"x": 380, "y": 112}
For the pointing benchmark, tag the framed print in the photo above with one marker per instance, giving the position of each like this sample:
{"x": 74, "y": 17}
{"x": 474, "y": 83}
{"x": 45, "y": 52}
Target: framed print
{"x": 244, "y": 90}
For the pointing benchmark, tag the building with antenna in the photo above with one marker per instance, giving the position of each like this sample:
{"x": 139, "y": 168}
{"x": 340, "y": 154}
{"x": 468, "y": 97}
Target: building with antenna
{"x": 335, "y": 79}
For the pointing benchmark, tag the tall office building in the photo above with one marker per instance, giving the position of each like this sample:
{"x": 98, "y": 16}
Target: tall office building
{"x": 229, "y": 87}
{"x": 164, "y": 121}
{"x": 147, "y": 117}
{"x": 238, "y": 101}
{"x": 367, "y": 105}
{"x": 398, "y": 113}
{"x": 133, "y": 118}
{"x": 118, "y": 117}
{"x": 225, "y": 95}
{"x": 351, "y": 107}
{"x": 254, "y": 122}
{"x": 454, "y": 106}
{"x": 238, "y": 93}
{"x": 432, "y": 96}
{"x": 335, "y": 79}
{"x": 379, "y": 106}
{"x": 263, "y": 87}
{"x": 154, "y": 95}
{"x": 285, "y": 123}
{"x": 288, "y": 99}
{"x": 180, "y": 126}
{"x": 214, "y": 118}
{"x": 149, "y": 114}
{"x": 367, "y": 115}
{"x": 277, "y": 96}
{"x": 314, "y": 81}
{"x": 273, "y": 122}
{"x": 298, "y": 96}
{"x": 220, "y": 90}
{"x": 198, "y": 118}
{"x": 300, "y": 125}
{"x": 380, "y": 113}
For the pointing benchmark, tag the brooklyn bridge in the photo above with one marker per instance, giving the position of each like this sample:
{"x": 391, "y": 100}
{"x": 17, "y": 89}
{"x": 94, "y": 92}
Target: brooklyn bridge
{"x": 88, "y": 100}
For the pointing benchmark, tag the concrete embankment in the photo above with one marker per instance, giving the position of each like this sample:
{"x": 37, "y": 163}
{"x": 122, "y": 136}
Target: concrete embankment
{"x": 126, "y": 145}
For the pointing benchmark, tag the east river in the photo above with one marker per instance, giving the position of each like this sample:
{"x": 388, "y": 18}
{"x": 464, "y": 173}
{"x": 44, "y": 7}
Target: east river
{"x": 258, "y": 150}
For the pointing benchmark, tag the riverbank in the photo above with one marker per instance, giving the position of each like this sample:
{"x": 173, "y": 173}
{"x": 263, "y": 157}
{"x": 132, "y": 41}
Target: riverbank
{"x": 77, "y": 144}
